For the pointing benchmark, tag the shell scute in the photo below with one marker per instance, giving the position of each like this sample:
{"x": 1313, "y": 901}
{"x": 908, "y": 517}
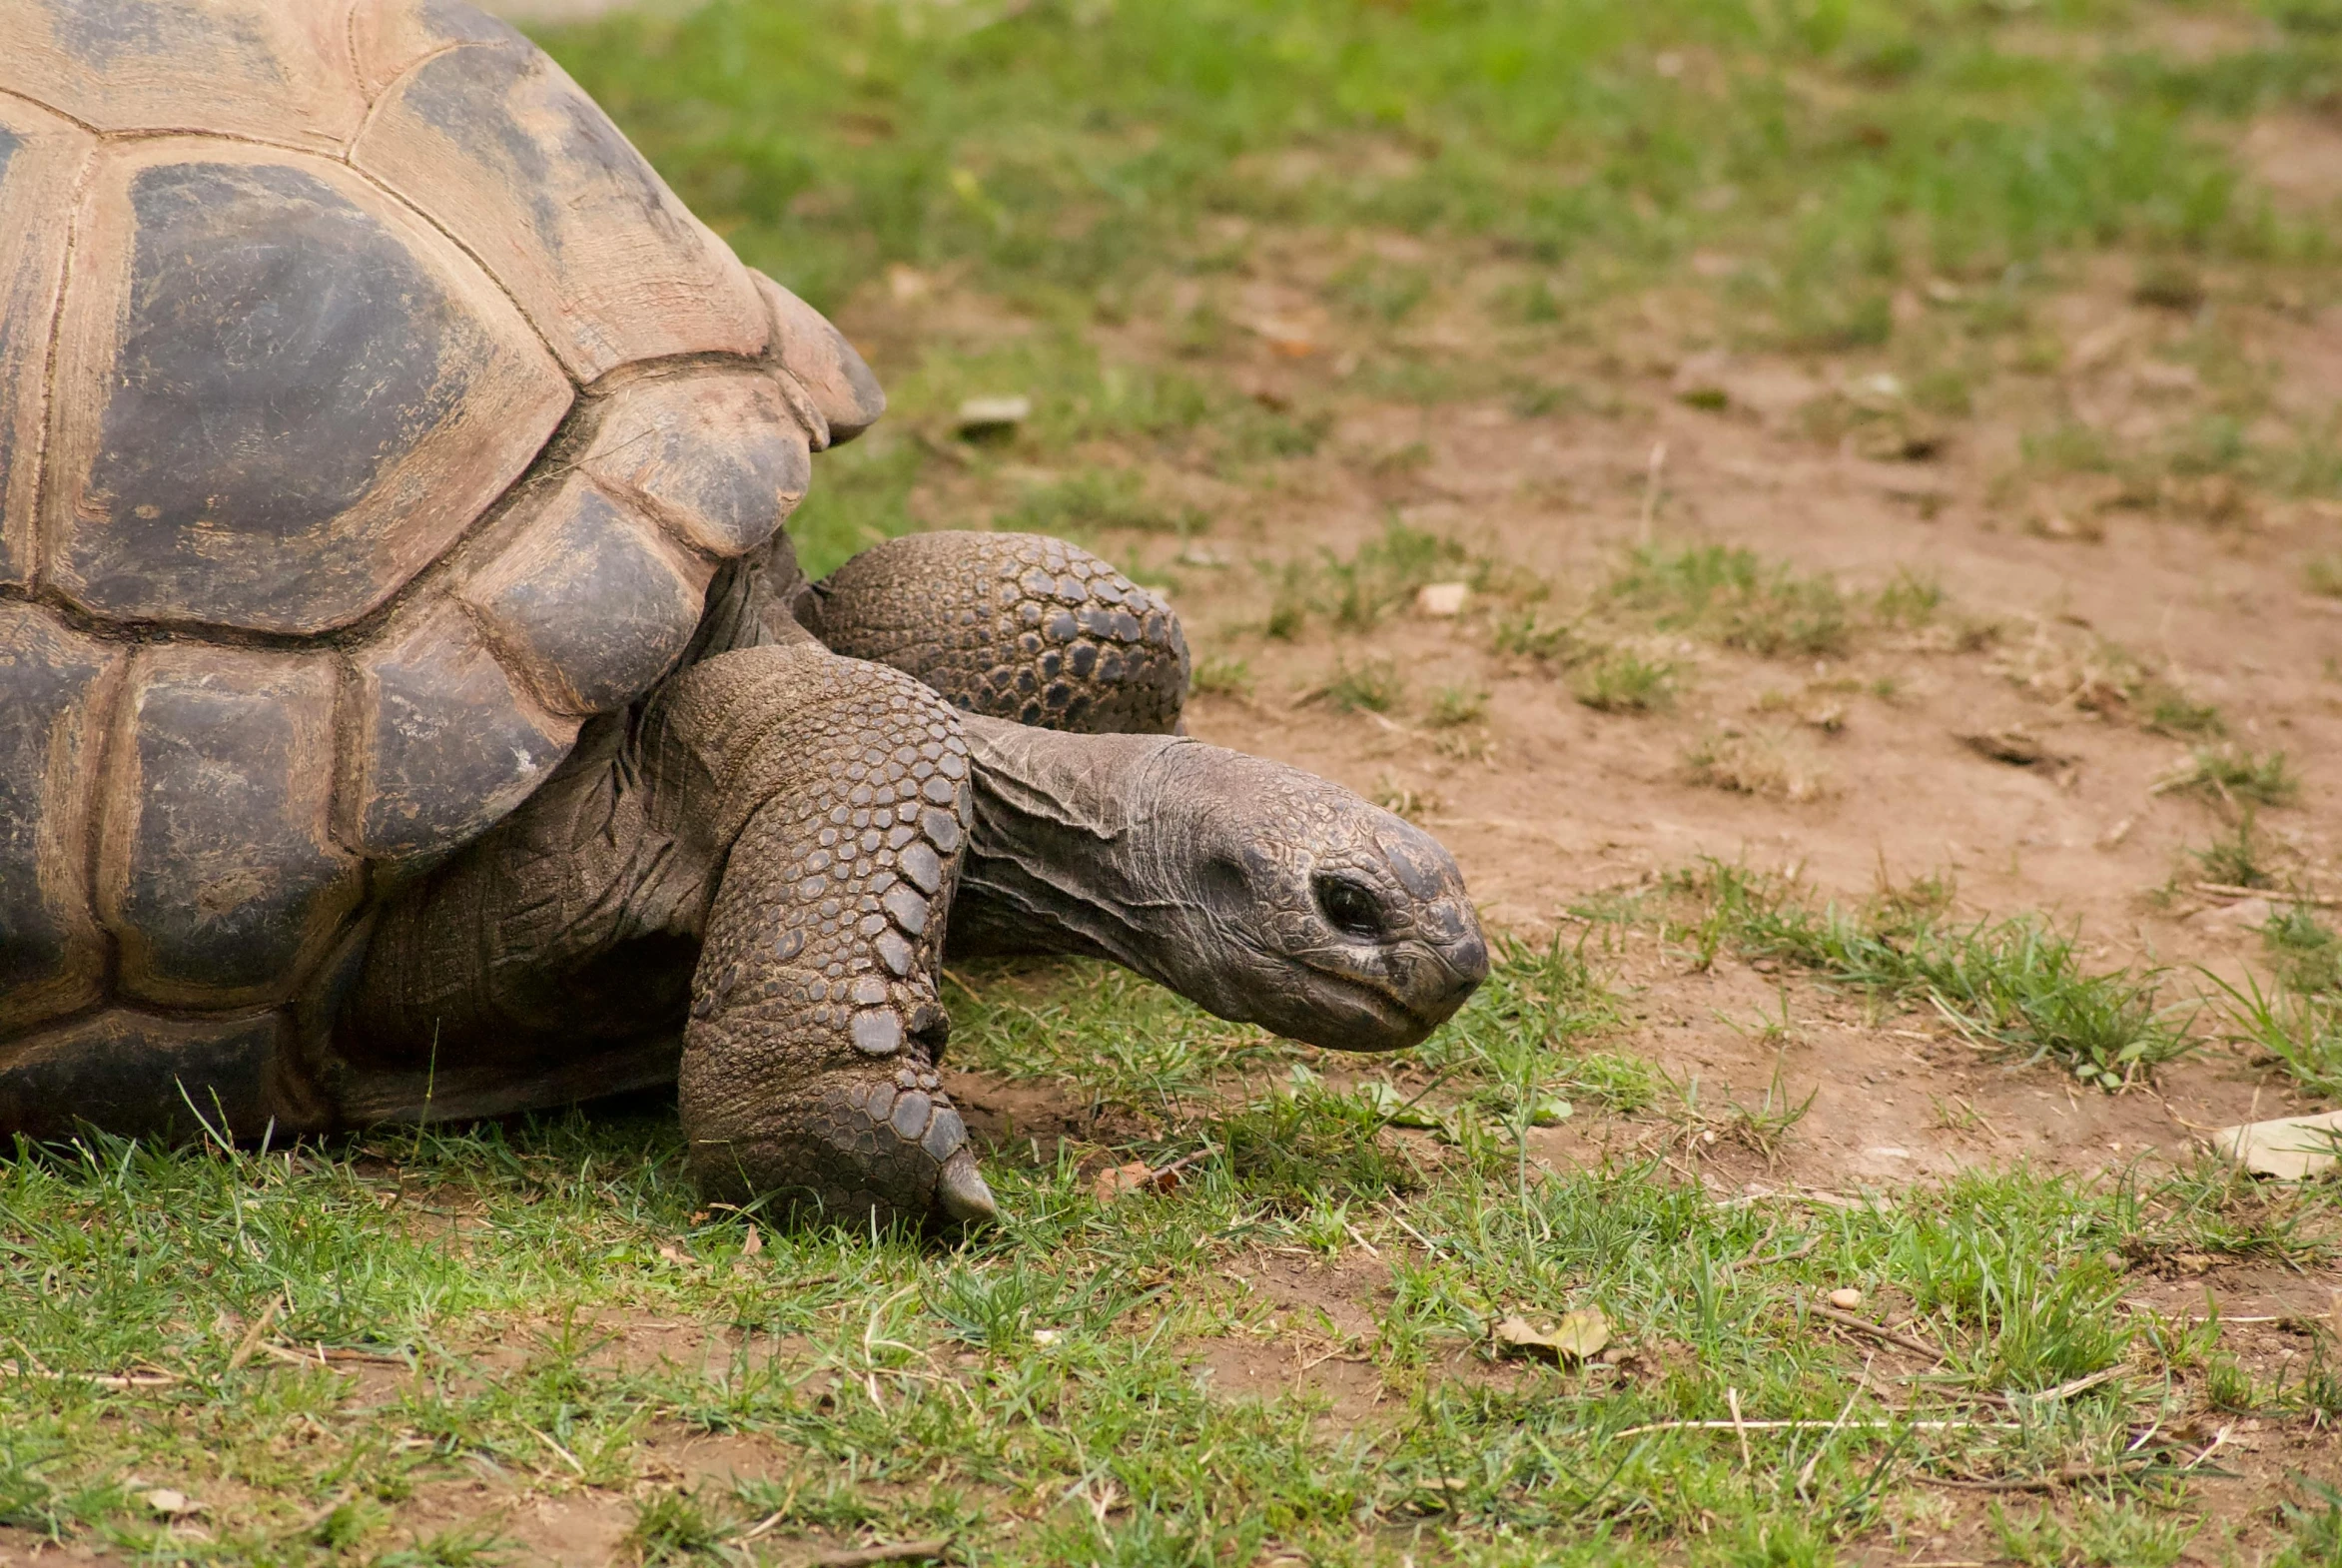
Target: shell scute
{"x": 281, "y": 394}
{"x": 596, "y": 607}
{"x": 218, "y": 871}
{"x": 447, "y": 741}
{"x": 40, "y": 153}
{"x": 717, "y": 458}
{"x": 498, "y": 146}
{"x": 274, "y": 70}
{"x": 136, "y": 1074}
{"x": 53, "y": 685}
{"x": 820, "y": 359}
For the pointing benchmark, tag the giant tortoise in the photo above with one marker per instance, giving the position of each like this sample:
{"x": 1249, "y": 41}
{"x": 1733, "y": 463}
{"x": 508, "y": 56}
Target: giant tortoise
{"x": 411, "y": 706}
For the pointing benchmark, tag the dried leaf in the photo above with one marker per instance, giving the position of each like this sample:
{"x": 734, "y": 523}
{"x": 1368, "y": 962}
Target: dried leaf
{"x": 1578, "y": 1336}
{"x": 1122, "y": 1180}
{"x": 754, "y": 1245}
{"x": 1393, "y": 1108}
{"x": 1550, "y": 1111}
{"x": 171, "y": 1504}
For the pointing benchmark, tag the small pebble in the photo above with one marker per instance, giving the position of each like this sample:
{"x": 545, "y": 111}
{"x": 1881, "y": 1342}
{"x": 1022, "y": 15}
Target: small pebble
{"x": 1442, "y": 599}
{"x": 1846, "y": 1298}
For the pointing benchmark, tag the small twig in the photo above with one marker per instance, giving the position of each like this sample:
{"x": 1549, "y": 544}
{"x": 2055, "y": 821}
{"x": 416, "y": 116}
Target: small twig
{"x": 1876, "y": 1330}
{"x": 960, "y": 981}
{"x": 1361, "y": 1241}
{"x": 887, "y": 1552}
{"x": 1808, "y": 1426}
{"x": 153, "y": 1377}
{"x": 1738, "y": 1429}
{"x": 2218, "y": 1438}
{"x": 1651, "y": 474}
{"x": 565, "y": 1456}
{"x": 252, "y": 1336}
{"x": 2274, "y": 896}
{"x": 2053, "y": 1481}
{"x": 2070, "y": 1390}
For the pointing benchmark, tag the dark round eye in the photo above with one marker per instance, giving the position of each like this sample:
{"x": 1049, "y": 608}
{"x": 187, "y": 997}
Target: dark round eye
{"x": 1353, "y": 910}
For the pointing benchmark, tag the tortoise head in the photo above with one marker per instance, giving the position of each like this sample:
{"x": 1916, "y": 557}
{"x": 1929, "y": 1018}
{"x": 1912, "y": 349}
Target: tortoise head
{"x": 1263, "y": 893}
{"x": 1302, "y": 908}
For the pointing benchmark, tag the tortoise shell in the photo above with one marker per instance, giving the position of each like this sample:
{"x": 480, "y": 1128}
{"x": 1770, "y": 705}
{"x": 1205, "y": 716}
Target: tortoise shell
{"x": 370, "y": 416}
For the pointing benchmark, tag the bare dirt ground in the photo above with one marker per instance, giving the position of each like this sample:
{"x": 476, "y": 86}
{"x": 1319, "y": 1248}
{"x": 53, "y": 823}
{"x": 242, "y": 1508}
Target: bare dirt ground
{"x": 1562, "y": 803}
{"x": 1547, "y": 803}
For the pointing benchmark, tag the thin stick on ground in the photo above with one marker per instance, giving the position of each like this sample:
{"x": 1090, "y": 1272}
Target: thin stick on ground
{"x": 1878, "y": 1331}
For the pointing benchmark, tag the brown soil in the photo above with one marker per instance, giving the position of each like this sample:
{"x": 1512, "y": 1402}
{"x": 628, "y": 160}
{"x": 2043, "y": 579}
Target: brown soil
{"x": 1549, "y": 803}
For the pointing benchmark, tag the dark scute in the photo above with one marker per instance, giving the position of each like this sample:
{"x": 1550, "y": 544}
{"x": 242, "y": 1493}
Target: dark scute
{"x": 451, "y": 748}
{"x": 282, "y": 349}
{"x": 135, "y": 1075}
{"x": 468, "y": 95}
{"x": 460, "y": 23}
{"x": 45, "y": 674}
{"x": 100, "y": 32}
{"x": 227, "y": 860}
{"x": 606, "y": 610}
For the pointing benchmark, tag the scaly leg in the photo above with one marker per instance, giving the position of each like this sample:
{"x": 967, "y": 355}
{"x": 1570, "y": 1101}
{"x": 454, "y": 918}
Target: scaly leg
{"x": 1012, "y": 626}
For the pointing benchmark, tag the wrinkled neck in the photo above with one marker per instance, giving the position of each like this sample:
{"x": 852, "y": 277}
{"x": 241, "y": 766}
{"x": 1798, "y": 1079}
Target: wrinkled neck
{"x": 1072, "y": 846}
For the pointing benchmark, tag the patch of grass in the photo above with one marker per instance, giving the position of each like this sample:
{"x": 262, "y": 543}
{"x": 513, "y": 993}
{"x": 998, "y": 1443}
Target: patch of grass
{"x": 1381, "y": 291}
{"x": 2322, "y": 576}
{"x": 1758, "y": 762}
{"x": 1222, "y": 675}
{"x": 2298, "y": 1027}
{"x": 1623, "y": 681}
{"x": 1355, "y": 591}
{"x": 1910, "y": 598}
{"x": 2235, "y": 775}
{"x": 1528, "y": 634}
{"x": 2305, "y": 951}
{"x": 2017, "y": 985}
{"x": 1737, "y": 598}
{"x": 1385, "y": 572}
{"x": 1092, "y": 499}
{"x": 1452, "y": 706}
{"x": 2235, "y": 859}
{"x": 1370, "y": 687}
{"x": 2171, "y": 712}
{"x": 671, "y": 1527}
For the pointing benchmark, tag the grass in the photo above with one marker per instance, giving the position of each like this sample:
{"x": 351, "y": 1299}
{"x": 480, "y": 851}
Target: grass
{"x": 1044, "y": 1392}
{"x": 2232, "y": 775}
{"x": 1769, "y": 762}
{"x": 1622, "y": 681}
{"x": 1732, "y": 595}
{"x": 2018, "y": 985}
{"x": 1035, "y": 1395}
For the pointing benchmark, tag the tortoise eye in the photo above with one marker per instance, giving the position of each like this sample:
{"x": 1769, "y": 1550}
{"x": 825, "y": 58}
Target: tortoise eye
{"x": 1353, "y": 910}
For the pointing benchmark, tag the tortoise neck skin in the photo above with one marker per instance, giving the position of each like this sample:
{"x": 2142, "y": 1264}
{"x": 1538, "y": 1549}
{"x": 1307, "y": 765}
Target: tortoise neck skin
{"x": 1257, "y": 891}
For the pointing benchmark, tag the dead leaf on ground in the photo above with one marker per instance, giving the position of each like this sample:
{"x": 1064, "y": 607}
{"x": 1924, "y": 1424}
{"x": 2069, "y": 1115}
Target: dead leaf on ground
{"x": 1578, "y": 1336}
{"x": 169, "y": 1503}
{"x": 1113, "y": 1184}
{"x": 2017, "y": 746}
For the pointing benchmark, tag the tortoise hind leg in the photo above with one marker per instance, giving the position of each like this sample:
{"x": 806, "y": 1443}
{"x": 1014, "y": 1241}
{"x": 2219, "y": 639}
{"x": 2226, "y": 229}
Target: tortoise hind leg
{"x": 1012, "y": 626}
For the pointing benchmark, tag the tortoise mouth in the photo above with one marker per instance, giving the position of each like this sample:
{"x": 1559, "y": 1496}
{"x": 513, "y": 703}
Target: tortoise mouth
{"x": 1351, "y": 1006}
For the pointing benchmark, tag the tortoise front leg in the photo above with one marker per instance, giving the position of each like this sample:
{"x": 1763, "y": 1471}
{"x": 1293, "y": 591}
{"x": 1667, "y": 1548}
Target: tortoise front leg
{"x": 1013, "y": 626}
{"x": 837, "y": 791}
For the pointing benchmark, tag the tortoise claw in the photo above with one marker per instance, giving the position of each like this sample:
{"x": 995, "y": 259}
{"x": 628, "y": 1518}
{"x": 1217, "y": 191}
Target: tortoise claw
{"x": 962, "y": 1193}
